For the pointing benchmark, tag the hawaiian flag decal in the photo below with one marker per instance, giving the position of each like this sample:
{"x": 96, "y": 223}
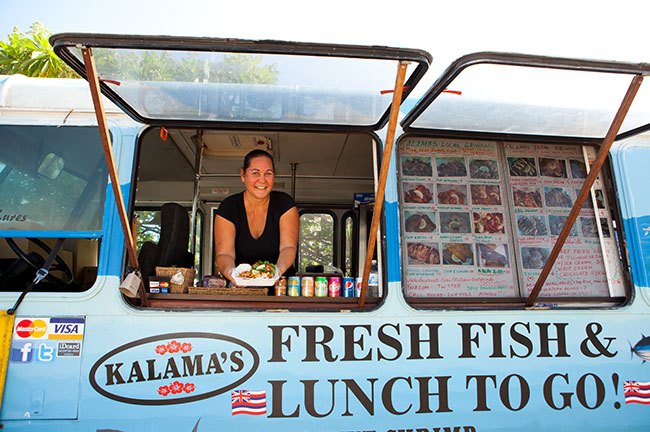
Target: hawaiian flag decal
{"x": 636, "y": 392}
{"x": 248, "y": 402}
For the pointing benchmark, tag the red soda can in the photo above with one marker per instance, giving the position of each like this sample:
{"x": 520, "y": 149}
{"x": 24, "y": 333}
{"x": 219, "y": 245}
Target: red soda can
{"x": 334, "y": 286}
{"x": 348, "y": 287}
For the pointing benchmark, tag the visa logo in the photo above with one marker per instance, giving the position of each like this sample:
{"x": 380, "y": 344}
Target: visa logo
{"x": 66, "y": 328}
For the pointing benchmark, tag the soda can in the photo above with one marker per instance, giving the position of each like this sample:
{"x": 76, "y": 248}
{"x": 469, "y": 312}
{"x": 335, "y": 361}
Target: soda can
{"x": 357, "y": 287}
{"x": 281, "y": 287}
{"x": 320, "y": 287}
{"x": 307, "y": 286}
{"x": 334, "y": 286}
{"x": 293, "y": 286}
{"x": 348, "y": 287}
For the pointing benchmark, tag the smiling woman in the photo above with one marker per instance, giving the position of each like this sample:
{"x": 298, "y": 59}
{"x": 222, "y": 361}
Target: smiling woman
{"x": 258, "y": 223}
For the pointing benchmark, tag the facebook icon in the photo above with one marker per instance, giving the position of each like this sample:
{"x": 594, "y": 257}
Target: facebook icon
{"x": 22, "y": 352}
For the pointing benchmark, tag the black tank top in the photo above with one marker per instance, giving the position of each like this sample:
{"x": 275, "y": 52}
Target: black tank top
{"x": 267, "y": 246}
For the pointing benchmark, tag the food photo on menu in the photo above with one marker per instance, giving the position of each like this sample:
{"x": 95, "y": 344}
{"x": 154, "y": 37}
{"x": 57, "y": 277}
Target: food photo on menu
{"x": 558, "y": 197}
{"x": 419, "y": 222}
{"x": 457, "y": 254}
{"x": 552, "y": 167}
{"x": 488, "y": 223}
{"x": 455, "y": 222}
{"x": 417, "y": 166}
{"x": 534, "y": 258}
{"x": 418, "y": 193}
{"x": 589, "y": 228}
{"x": 527, "y": 197}
{"x": 532, "y": 225}
{"x": 451, "y": 167}
{"x": 522, "y": 167}
{"x": 452, "y": 194}
{"x": 578, "y": 168}
{"x": 492, "y": 255}
{"x": 484, "y": 169}
{"x": 485, "y": 194}
{"x": 422, "y": 253}
{"x": 556, "y": 223}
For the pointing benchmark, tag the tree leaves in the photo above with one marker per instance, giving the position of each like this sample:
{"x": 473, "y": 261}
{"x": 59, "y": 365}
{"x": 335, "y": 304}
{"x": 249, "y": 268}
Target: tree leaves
{"x": 32, "y": 55}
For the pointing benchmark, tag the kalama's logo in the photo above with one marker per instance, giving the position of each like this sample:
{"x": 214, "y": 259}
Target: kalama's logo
{"x": 174, "y": 368}
{"x": 28, "y": 328}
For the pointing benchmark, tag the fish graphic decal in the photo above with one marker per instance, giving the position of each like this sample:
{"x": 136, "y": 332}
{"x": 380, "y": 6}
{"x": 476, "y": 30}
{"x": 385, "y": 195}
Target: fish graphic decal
{"x": 642, "y": 348}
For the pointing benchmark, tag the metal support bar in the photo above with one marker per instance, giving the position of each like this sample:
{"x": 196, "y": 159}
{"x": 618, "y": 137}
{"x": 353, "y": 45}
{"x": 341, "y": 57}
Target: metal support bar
{"x": 98, "y": 103}
{"x": 383, "y": 174}
{"x": 586, "y": 186}
{"x": 195, "y": 198}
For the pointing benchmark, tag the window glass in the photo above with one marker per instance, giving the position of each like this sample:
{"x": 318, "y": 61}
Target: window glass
{"x": 191, "y": 85}
{"x": 53, "y": 179}
{"x": 479, "y": 219}
{"x": 316, "y": 242}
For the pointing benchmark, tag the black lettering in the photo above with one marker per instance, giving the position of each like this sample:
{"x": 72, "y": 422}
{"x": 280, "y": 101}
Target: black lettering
{"x": 367, "y": 402}
{"x": 171, "y": 369}
{"x": 310, "y": 390}
{"x": 214, "y": 364}
{"x": 497, "y": 343}
{"x": 443, "y": 394}
{"x": 481, "y": 390}
{"x": 192, "y": 365}
{"x": 310, "y": 355}
{"x": 136, "y": 372}
{"x": 581, "y": 391}
{"x": 387, "y": 395}
{"x": 113, "y": 376}
{"x": 236, "y": 359}
{"x": 390, "y": 341}
{"x": 524, "y": 391}
{"x": 522, "y": 339}
{"x": 416, "y": 341}
{"x": 544, "y": 340}
{"x": 467, "y": 338}
{"x": 278, "y": 343}
{"x": 351, "y": 342}
{"x": 548, "y": 392}
{"x": 151, "y": 370}
{"x": 276, "y": 406}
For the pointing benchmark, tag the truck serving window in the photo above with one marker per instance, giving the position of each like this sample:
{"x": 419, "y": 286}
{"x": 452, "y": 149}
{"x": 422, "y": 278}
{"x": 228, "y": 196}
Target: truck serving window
{"x": 479, "y": 219}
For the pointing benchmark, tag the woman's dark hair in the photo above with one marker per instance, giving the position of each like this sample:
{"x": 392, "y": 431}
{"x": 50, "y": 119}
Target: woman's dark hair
{"x": 257, "y": 153}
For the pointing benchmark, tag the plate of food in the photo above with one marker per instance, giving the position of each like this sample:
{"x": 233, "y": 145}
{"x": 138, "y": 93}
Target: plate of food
{"x": 262, "y": 273}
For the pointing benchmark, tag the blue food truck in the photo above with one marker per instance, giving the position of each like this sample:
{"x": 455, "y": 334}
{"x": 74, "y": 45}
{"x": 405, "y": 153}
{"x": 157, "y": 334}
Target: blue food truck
{"x": 506, "y": 211}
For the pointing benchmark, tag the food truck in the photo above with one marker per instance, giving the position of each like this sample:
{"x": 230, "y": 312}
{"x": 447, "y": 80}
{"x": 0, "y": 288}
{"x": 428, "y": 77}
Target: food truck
{"x": 506, "y": 212}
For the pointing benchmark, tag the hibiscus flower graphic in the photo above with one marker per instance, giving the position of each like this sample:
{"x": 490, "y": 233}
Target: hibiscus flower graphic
{"x": 163, "y": 390}
{"x": 189, "y": 388}
{"x": 176, "y": 387}
{"x": 186, "y": 347}
{"x": 173, "y": 347}
{"x": 161, "y": 349}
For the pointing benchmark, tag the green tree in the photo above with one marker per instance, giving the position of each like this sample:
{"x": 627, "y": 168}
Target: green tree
{"x": 32, "y": 55}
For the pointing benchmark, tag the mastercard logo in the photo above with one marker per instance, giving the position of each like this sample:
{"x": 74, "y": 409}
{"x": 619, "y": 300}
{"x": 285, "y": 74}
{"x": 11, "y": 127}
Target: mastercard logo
{"x": 28, "y": 328}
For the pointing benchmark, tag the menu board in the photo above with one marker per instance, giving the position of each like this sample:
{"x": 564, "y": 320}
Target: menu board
{"x": 480, "y": 219}
{"x": 454, "y": 220}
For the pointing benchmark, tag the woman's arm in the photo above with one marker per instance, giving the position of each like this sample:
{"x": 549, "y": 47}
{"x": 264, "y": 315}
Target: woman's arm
{"x": 289, "y": 227}
{"x": 224, "y": 244}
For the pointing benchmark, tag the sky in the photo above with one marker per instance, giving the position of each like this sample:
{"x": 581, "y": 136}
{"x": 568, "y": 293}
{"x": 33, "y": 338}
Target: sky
{"x": 607, "y": 30}
{"x": 590, "y": 29}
